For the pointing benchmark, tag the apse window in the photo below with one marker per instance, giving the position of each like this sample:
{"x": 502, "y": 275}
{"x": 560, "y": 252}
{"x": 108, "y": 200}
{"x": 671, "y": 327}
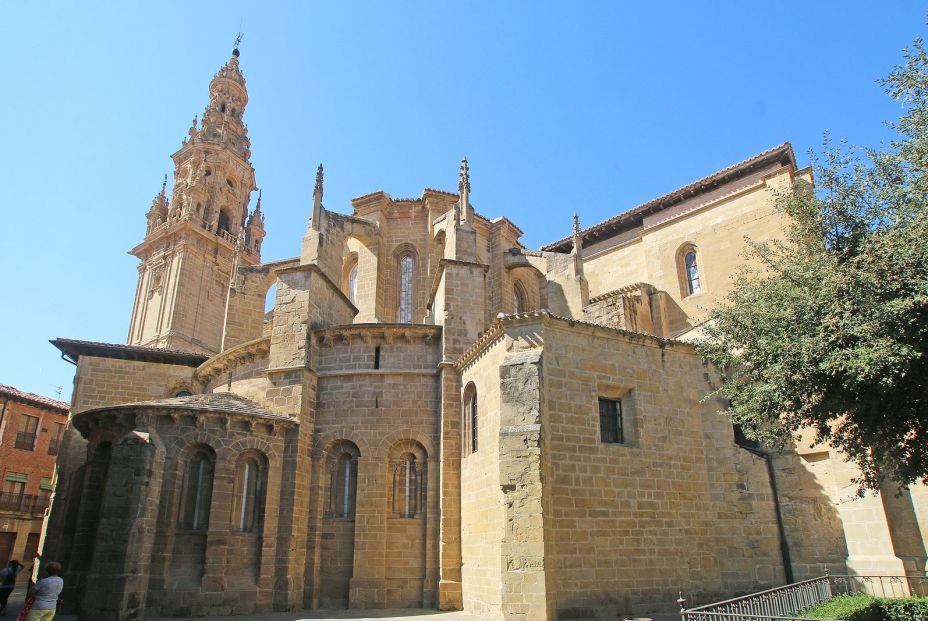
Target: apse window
{"x": 610, "y": 421}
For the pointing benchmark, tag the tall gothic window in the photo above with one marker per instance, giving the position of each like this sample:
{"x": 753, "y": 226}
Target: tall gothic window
{"x": 198, "y": 490}
{"x": 470, "y": 419}
{"x": 223, "y": 221}
{"x": 407, "y": 267}
{"x": 353, "y": 284}
{"x": 343, "y": 480}
{"x": 692, "y": 272}
{"x": 248, "y": 507}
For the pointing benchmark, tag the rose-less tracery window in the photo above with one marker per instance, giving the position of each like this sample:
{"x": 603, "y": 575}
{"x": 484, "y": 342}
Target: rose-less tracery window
{"x": 407, "y": 265}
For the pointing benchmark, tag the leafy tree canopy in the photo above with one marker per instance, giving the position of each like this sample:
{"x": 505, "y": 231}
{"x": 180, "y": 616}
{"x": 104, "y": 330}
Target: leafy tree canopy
{"x": 830, "y": 331}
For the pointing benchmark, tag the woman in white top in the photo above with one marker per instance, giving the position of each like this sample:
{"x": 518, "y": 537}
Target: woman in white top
{"x": 46, "y": 593}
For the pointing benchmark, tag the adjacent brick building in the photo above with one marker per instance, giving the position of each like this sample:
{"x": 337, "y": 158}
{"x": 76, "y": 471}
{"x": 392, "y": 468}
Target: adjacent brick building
{"x": 31, "y": 430}
{"x": 433, "y": 415}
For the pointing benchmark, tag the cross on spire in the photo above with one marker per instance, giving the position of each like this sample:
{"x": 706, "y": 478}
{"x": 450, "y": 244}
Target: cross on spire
{"x": 238, "y": 41}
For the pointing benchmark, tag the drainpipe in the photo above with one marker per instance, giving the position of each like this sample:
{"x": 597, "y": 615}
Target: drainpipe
{"x": 784, "y": 544}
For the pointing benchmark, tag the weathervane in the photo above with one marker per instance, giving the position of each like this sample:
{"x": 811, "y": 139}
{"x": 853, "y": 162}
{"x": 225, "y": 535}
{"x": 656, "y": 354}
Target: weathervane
{"x": 238, "y": 41}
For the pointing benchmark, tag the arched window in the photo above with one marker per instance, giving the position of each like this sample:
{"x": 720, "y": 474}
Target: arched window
{"x": 407, "y": 266}
{"x": 183, "y": 393}
{"x": 248, "y": 506}
{"x": 406, "y": 486}
{"x": 198, "y": 490}
{"x": 470, "y": 419}
{"x": 519, "y": 298}
{"x": 353, "y": 283}
{"x": 223, "y": 221}
{"x": 688, "y": 269}
{"x": 343, "y": 480}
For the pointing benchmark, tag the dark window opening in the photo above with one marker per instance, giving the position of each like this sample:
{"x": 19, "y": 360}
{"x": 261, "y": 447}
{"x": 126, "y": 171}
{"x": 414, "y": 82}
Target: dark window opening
{"x": 223, "y": 221}
{"x": 184, "y": 393}
{"x": 610, "y": 421}
{"x": 377, "y": 357}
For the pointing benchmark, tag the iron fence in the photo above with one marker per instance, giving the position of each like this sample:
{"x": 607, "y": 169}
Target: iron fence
{"x": 24, "y": 503}
{"x": 786, "y": 602}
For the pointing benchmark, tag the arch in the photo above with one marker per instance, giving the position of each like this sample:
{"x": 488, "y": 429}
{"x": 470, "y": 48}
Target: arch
{"x": 407, "y": 264}
{"x": 197, "y": 491}
{"x": 249, "y": 492}
{"x": 470, "y": 419}
{"x": 688, "y": 270}
{"x": 342, "y": 466}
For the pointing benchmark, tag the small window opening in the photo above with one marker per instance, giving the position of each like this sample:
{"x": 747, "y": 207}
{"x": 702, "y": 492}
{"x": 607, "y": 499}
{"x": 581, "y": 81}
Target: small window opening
{"x": 610, "y": 421}
{"x": 223, "y": 221}
{"x": 222, "y": 108}
{"x": 377, "y": 357}
{"x": 184, "y": 393}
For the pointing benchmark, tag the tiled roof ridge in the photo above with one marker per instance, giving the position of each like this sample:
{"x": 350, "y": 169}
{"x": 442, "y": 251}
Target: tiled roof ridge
{"x": 213, "y": 401}
{"x": 786, "y": 148}
{"x": 32, "y": 398}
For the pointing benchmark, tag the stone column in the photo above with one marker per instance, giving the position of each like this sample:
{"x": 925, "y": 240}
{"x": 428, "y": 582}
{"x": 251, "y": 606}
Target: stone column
{"x": 524, "y": 592}
{"x": 117, "y": 585}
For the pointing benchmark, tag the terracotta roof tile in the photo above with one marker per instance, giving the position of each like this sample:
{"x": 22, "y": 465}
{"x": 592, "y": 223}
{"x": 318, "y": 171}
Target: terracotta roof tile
{"x": 33, "y": 399}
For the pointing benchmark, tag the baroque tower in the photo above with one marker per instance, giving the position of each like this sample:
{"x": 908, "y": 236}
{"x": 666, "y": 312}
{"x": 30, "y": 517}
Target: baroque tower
{"x": 194, "y": 241}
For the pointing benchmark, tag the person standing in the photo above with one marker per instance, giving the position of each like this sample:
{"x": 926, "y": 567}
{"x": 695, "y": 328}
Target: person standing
{"x": 7, "y": 582}
{"x": 46, "y": 592}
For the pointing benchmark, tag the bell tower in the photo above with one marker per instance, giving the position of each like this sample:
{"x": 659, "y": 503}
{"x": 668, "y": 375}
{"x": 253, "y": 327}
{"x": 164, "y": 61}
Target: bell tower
{"x": 193, "y": 239}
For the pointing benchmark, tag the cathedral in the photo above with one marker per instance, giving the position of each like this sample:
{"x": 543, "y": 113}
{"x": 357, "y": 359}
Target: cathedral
{"x": 433, "y": 415}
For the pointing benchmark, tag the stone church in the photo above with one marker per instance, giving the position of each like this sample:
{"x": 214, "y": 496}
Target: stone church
{"x": 434, "y": 415}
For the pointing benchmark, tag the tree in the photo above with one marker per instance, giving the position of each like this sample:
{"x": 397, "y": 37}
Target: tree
{"x": 830, "y": 331}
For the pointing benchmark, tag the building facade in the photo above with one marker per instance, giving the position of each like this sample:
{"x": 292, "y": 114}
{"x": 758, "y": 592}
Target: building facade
{"x": 31, "y": 431}
{"x": 435, "y": 416}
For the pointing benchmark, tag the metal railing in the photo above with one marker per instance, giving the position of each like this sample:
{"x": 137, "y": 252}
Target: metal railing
{"x": 23, "y": 503}
{"x": 784, "y": 603}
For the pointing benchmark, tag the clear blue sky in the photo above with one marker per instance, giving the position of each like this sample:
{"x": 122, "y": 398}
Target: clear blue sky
{"x": 569, "y": 106}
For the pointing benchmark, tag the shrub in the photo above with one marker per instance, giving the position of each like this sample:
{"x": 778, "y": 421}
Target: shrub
{"x": 867, "y": 608}
{"x": 840, "y": 607}
{"x": 914, "y": 609}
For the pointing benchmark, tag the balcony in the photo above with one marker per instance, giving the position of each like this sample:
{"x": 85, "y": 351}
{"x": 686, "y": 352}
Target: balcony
{"x": 24, "y": 503}
{"x": 25, "y": 440}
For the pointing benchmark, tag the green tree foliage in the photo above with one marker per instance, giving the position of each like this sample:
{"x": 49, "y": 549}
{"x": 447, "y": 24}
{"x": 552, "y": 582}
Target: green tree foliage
{"x": 830, "y": 332}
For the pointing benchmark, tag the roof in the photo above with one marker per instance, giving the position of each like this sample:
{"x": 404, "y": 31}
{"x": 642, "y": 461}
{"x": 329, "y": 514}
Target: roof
{"x": 782, "y": 154}
{"x": 217, "y": 402}
{"x": 32, "y": 399}
{"x": 74, "y": 349}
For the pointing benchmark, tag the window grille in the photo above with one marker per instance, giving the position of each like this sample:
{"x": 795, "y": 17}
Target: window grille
{"x": 610, "y": 421}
